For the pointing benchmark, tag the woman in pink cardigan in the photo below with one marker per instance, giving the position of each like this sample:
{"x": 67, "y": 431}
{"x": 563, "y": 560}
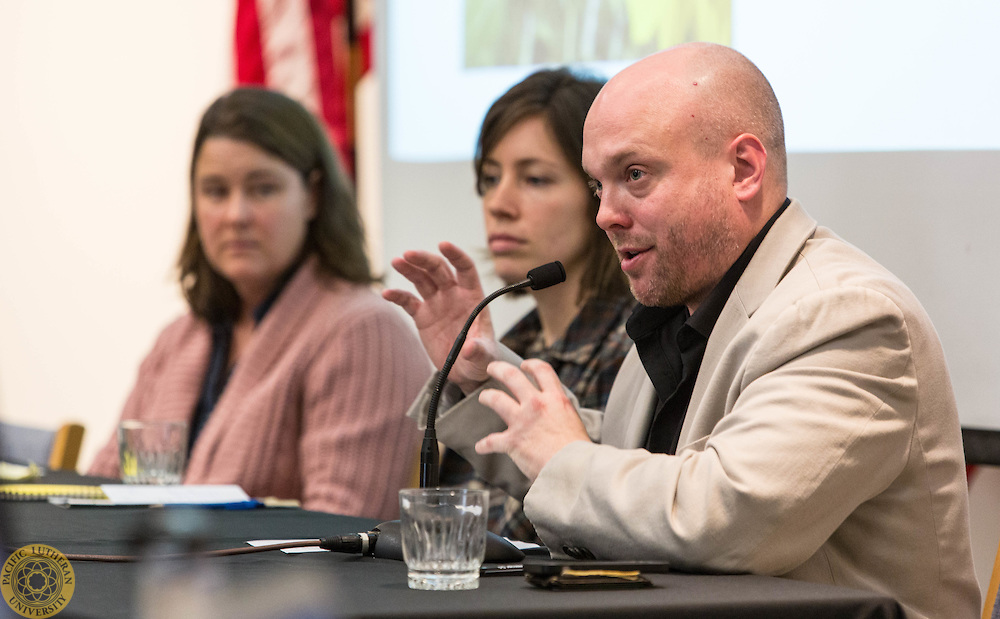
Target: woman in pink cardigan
{"x": 293, "y": 375}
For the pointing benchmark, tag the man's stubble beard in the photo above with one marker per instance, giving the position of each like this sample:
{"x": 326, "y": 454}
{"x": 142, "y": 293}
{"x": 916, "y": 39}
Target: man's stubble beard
{"x": 669, "y": 286}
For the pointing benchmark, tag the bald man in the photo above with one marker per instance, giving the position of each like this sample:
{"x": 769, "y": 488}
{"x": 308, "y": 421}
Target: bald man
{"x": 786, "y": 409}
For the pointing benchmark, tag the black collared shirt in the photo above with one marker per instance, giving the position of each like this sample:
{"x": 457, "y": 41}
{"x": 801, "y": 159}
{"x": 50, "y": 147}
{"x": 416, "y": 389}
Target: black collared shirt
{"x": 671, "y": 344}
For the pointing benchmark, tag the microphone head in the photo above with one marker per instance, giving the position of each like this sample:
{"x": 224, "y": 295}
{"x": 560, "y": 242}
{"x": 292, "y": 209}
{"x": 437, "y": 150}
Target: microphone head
{"x": 547, "y": 275}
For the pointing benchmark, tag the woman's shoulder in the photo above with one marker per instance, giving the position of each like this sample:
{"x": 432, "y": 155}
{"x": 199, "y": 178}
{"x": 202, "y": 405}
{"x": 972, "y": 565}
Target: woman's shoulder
{"x": 341, "y": 305}
{"x": 185, "y": 334}
{"x": 354, "y": 317}
{"x": 182, "y": 329}
{"x": 357, "y": 298}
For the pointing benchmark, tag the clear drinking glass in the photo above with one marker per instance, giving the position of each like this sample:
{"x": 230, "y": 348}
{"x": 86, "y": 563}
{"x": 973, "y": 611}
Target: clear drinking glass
{"x": 152, "y": 452}
{"x": 444, "y": 536}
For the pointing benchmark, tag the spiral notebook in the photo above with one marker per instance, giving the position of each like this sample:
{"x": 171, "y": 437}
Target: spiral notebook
{"x": 42, "y": 492}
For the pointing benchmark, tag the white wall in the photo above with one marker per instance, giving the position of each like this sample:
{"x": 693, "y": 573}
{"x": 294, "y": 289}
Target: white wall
{"x": 99, "y": 108}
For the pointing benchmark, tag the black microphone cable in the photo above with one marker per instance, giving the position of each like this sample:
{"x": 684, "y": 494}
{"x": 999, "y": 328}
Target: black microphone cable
{"x": 384, "y": 541}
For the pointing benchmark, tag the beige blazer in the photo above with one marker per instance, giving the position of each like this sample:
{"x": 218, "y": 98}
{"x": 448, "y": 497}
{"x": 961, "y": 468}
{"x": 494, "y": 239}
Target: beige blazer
{"x": 822, "y": 441}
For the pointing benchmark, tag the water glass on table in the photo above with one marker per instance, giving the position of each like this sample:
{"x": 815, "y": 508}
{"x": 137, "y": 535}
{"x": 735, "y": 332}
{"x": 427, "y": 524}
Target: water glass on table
{"x": 152, "y": 452}
{"x": 444, "y": 536}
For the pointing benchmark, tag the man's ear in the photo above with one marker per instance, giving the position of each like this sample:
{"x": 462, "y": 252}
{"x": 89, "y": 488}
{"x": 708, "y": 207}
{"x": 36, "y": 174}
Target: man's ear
{"x": 749, "y": 159}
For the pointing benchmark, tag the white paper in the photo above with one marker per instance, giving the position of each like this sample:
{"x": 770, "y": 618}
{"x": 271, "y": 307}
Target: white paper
{"x": 522, "y": 545}
{"x": 214, "y": 494}
{"x": 291, "y": 551}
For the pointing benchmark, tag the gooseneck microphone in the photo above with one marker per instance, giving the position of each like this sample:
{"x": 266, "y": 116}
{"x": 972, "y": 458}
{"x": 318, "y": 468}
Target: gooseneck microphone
{"x": 538, "y": 278}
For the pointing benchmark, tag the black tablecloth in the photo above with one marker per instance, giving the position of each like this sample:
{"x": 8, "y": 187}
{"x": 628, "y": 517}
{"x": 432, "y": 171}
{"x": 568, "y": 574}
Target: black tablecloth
{"x": 355, "y": 586}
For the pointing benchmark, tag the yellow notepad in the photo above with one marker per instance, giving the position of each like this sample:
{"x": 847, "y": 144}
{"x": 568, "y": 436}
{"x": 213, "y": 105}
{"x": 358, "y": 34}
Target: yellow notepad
{"x": 41, "y": 492}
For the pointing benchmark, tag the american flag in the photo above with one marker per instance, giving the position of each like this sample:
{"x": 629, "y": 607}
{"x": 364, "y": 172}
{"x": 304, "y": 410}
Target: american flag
{"x": 313, "y": 51}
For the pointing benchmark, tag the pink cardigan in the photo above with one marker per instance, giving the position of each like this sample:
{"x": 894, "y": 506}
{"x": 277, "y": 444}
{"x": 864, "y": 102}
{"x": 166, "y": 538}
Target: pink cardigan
{"x": 314, "y": 410}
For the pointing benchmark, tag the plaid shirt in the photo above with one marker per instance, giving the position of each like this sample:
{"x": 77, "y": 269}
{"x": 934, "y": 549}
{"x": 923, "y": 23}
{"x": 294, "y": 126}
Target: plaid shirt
{"x": 586, "y": 359}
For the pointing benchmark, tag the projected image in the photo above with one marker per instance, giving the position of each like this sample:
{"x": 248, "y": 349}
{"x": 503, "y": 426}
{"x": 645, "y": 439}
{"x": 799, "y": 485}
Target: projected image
{"x": 523, "y": 32}
{"x": 910, "y": 88}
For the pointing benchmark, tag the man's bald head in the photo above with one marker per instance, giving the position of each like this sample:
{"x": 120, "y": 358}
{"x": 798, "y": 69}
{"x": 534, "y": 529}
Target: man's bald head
{"x": 723, "y": 93}
{"x": 685, "y": 149}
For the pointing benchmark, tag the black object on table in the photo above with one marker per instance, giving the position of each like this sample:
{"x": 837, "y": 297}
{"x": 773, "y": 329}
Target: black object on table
{"x": 371, "y": 587}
